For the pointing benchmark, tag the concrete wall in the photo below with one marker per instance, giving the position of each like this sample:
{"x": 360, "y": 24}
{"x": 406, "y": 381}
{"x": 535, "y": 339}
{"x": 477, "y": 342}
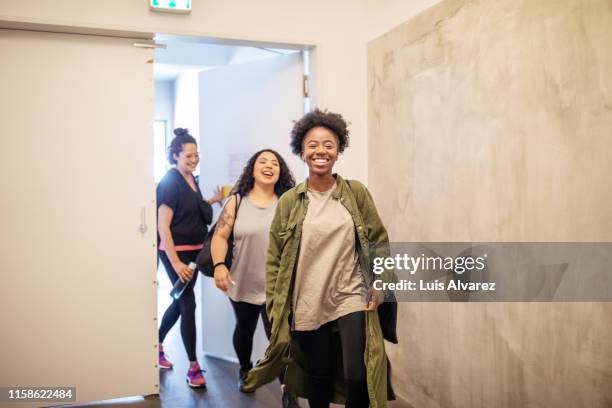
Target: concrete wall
{"x": 491, "y": 121}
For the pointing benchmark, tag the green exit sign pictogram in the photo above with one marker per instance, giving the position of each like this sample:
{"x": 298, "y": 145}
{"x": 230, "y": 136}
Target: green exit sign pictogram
{"x": 172, "y": 6}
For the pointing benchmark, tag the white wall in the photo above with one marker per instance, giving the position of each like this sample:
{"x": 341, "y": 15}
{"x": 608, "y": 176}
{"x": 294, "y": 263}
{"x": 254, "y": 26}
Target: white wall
{"x": 192, "y": 53}
{"x": 383, "y": 15}
{"x": 243, "y": 55}
{"x": 244, "y": 108}
{"x": 86, "y": 293}
{"x": 187, "y": 102}
{"x": 339, "y": 29}
{"x": 164, "y": 103}
{"x": 341, "y": 55}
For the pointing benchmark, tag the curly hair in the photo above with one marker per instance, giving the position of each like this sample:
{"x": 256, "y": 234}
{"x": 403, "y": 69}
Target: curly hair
{"x": 334, "y": 122}
{"x": 181, "y": 137}
{"x": 246, "y": 181}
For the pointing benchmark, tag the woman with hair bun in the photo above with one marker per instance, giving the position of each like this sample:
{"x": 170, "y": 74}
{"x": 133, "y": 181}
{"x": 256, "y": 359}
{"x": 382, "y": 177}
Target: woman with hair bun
{"x": 182, "y": 219}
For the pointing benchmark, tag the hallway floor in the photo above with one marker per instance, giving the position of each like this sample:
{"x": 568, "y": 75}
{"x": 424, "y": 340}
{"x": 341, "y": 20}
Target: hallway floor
{"x": 221, "y": 376}
{"x": 222, "y": 390}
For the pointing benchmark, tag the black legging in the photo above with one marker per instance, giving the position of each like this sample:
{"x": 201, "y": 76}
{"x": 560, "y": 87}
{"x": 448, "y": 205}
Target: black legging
{"x": 318, "y": 346}
{"x": 183, "y": 307}
{"x": 247, "y": 316}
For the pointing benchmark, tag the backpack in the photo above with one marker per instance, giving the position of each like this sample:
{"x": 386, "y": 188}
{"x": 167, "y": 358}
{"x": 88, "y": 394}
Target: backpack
{"x": 204, "y": 259}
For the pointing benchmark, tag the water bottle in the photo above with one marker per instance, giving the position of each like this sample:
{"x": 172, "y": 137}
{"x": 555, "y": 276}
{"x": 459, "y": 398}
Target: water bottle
{"x": 179, "y": 287}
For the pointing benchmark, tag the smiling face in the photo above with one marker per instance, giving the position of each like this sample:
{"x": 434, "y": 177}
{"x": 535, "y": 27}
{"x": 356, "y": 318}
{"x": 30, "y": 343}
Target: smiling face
{"x": 267, "y": 169}
{"x": 320, "y": 151}
{"x": 187, "y": 160}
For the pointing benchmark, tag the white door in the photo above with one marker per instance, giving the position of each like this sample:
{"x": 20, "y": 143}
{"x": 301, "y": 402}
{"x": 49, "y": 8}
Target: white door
{"x": 78, "y": 298}
{"x": 243, "y": 108}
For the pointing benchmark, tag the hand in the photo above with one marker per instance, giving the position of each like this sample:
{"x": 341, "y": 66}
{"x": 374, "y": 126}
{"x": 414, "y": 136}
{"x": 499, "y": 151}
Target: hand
{"x": 184, "y": 273}
{"x": 223, "y": 279}
{"x": 375, "y": 299}
{"x": 217, "y": 197}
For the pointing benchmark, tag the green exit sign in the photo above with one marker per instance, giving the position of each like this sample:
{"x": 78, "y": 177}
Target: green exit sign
{"x": 172, "y": 6}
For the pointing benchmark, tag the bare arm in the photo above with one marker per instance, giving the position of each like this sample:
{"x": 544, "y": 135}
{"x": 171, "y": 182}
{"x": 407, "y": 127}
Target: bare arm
{"x": 164, "y": 219}
{"x": 219, "y": 245}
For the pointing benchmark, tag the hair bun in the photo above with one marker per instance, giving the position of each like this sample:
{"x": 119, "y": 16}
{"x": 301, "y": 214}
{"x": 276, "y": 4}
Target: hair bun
{"x": 181, "y": 131}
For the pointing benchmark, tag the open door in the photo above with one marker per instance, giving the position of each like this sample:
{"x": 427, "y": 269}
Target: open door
{"x": 243, "y": 108}
{"x": 78, "y": 290}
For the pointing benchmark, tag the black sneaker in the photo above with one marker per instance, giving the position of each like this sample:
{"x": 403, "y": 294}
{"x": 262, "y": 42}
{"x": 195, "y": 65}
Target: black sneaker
{"x": 242, "y": 376}
{"x": 290, "y": 401}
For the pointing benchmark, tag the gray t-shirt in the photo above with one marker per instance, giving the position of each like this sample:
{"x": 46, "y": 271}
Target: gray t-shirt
{"x": 328, "y": 282}
{"x": 251, "y": 238}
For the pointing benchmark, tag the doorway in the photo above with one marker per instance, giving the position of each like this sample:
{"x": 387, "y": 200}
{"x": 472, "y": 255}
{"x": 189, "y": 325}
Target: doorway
{"x": 235, "y": 99}
{"x": 85, "y": 207}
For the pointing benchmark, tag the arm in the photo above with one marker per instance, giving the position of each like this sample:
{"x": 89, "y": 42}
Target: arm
{"x": 376, "y": 232}
{"x": 164, "y": 215}
{"x": 377, "y": 238}
{"x": 219, "y": 245}
{"x": 273, "y": 259}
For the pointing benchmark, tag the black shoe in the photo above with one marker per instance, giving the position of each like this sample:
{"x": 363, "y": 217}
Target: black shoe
{"x": 290, "y": 401}
{"x": 242, "y": 376}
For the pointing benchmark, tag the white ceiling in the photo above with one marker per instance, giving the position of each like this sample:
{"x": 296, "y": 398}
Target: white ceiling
{"x": 180, "y": 55}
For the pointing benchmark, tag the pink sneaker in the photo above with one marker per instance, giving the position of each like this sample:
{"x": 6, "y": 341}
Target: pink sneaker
{"x": 195, "y": 378}
{"x": 163, "y": 361}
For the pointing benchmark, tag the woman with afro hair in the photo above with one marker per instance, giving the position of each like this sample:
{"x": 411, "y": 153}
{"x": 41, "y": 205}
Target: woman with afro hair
{"x": 319, "y": 295}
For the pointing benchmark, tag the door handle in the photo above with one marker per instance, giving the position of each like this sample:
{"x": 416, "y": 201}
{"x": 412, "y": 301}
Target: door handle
{"x": 143, "y": 221}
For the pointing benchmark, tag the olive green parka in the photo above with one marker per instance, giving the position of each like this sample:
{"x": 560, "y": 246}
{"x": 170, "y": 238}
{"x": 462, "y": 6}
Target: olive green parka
{"x": 285, "y": 234}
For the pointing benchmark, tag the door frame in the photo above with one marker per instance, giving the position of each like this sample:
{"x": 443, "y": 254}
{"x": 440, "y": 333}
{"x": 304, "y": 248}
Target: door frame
{"x": 149, "y": 37}
{"x": 313, "y": 47}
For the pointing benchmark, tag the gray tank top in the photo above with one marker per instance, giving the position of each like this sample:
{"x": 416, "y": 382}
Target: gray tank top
{"x": 251, "y": 238}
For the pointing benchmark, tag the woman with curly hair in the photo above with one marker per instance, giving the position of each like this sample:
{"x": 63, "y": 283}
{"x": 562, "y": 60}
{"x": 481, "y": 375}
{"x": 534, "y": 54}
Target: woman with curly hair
{"x": 319, "y": 293}
{"x": 265, "y": 178}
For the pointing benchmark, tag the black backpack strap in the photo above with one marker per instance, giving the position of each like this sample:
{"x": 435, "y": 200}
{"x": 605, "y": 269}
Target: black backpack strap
{"x": 238, "y": 201}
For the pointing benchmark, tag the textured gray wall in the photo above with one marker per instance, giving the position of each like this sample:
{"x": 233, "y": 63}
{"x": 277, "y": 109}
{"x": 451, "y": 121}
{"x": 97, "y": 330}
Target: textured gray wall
{"x": 492, "y": 121}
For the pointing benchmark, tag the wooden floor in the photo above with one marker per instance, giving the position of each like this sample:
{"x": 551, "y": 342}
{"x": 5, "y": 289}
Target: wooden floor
{"x": 222, "y": 390}
{"x": 221, "y": 376}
